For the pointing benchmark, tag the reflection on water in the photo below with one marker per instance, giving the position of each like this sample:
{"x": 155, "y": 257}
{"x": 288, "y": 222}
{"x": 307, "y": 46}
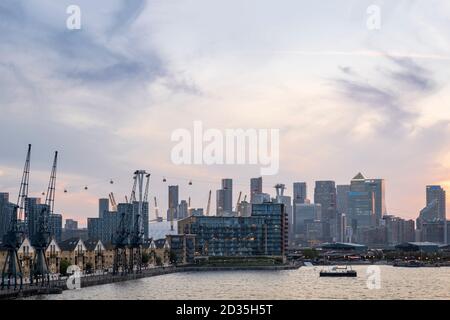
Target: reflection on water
{"x": 304, "y": 283}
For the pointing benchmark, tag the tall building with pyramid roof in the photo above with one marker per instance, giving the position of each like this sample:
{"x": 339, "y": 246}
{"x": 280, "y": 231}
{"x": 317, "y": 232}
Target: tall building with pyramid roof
{"x": 366, "y": 202}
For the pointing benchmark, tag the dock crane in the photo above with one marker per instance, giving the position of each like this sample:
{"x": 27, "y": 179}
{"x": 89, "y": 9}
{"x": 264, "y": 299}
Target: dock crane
{"x": 129, "y": 233}
{"x": 137, "y": 232}
{"x": 208, "y": 206}
{"x": 40, "y": 273}
{"x": 12, "y": 269}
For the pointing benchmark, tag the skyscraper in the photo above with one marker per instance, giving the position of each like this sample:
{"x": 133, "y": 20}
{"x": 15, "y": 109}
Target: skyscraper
{"x": 287, "y": 201}
{"x": 103, "y": 206}
{"x": 342, "y": 198}
{"x": 304, "y": 213}
{"x": 255, "y": 188}
{"x": 361, "y": 204}
{"x": 227, "y": 186}
{"x": 342, "y": 192}
{"x": 325, "y": 195}
{"x": 300, "y": 192}
{"x": 437, "y": 193}
{"x": 55, "y": 226}
{"x": 378, "y": 188}
{"x": 366, "y": 202}
{"x": 182, "y": 209}
{"x": 6, "y": 211}
{"x": 173, "y": 203}
{"x": 431, "y": 223}
{"x": 224, "y": 197}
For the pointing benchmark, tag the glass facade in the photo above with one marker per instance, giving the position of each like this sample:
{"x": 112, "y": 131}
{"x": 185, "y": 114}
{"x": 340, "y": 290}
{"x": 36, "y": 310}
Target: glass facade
{"x": 264, "y": 233}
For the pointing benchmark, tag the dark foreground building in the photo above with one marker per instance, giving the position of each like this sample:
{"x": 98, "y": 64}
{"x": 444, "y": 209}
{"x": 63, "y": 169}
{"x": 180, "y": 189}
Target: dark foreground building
{"x": 264, "y": 233}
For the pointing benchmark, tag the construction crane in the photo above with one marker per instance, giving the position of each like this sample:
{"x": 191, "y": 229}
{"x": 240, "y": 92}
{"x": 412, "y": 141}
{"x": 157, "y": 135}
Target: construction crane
{"x": 12, "y": 268}
{"x": 40, "y": 273}
{"x": 113, "y": 202}
{"x": 158, "y": 219}
{"x": 208, "y": 206}
{"x": 238, "y": 200}
{"x": 133, "y": 191}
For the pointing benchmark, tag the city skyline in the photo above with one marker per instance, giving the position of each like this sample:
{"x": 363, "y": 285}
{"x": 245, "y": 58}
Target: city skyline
{"x": 178, "y": 199}
{"x": 109, "y": 96}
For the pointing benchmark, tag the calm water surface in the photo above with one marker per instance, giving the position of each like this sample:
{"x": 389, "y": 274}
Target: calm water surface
{"x": 304, "y": 283}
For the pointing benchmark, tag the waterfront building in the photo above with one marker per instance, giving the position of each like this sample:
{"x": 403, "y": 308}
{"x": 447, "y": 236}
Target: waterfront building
{"x": 74, "y": 252}
{"x": 263, "y": 233}
{"x": 95, "y": 256}
{"x": 182, "y": 248}
{"x": 26, "y": 254}
{"x": 53, "y": 255}
{"x": 427, "y": 247}
{"x": 256, "y": 187}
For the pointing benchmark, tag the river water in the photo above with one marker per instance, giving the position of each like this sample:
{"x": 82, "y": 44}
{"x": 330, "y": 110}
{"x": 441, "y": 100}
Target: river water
{"x": 304, "y": 283}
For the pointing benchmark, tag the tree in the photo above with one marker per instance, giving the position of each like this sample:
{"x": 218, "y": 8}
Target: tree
{"x": 63, "y": 267}
{"x": 88, "y": 267}
{"x": 173, "y": 257}
{"x": 145, "y": 258}
{"x": 158, "y": 261}
{"x": 310, "y": 253}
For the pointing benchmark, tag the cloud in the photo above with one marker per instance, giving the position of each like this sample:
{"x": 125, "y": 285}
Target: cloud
{"x": 389, "y": 91}
{"x": 412, "y": 75}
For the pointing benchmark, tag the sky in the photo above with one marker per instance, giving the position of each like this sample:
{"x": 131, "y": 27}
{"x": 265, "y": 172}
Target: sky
{"x": 345, "y": 98}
